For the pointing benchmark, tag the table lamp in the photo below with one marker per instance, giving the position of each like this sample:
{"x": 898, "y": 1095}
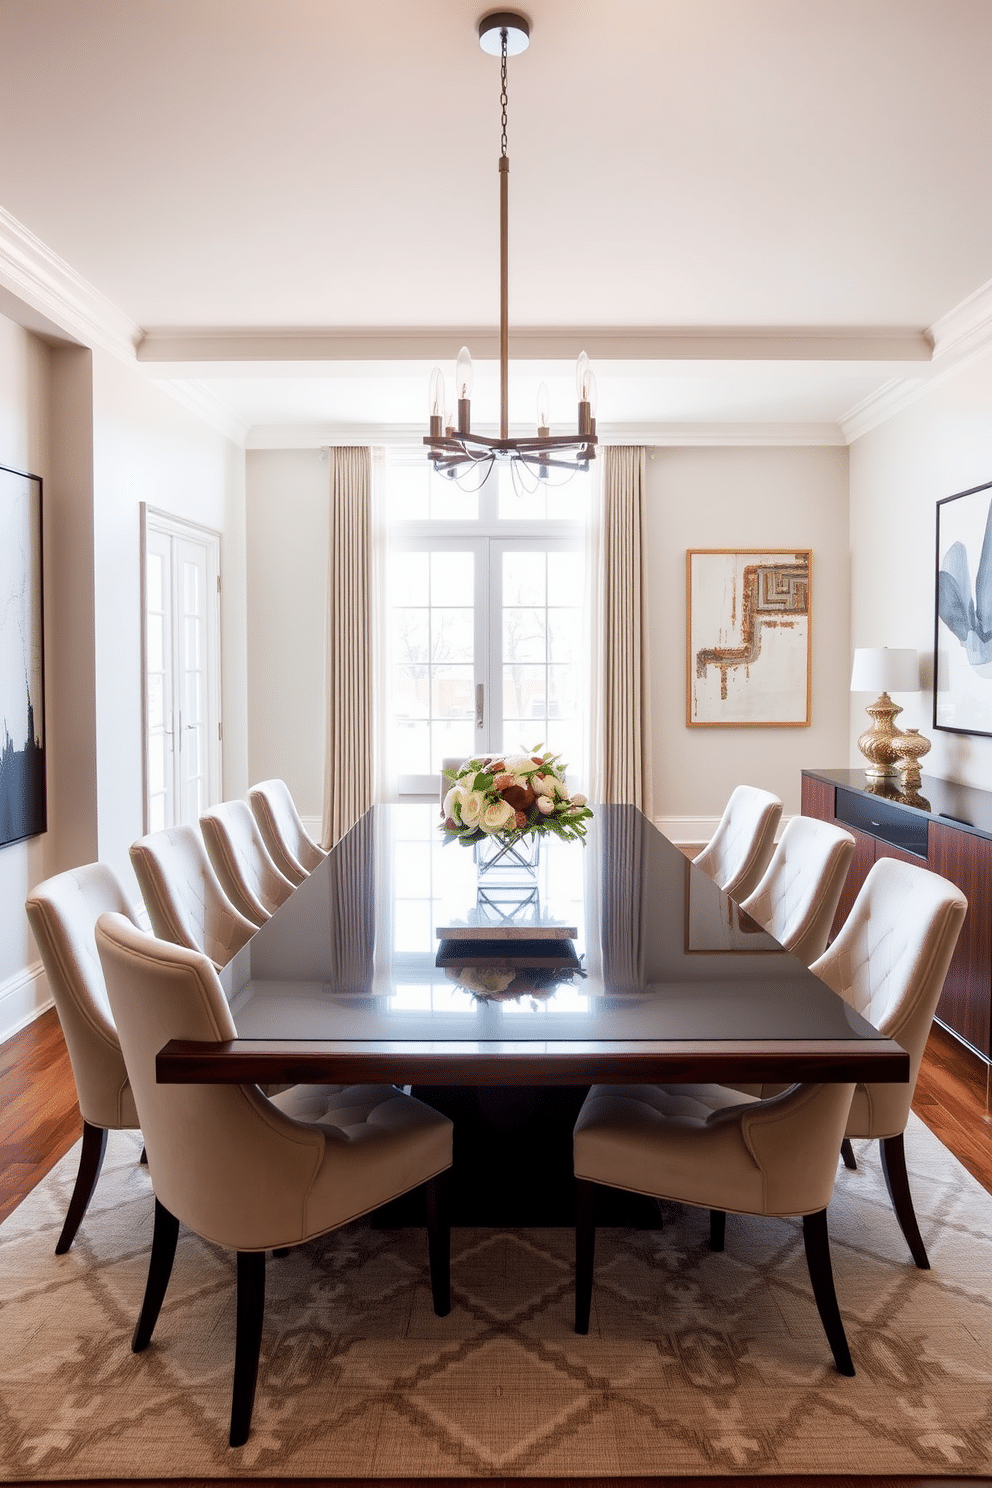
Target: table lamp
{"x": 877, "y": 669}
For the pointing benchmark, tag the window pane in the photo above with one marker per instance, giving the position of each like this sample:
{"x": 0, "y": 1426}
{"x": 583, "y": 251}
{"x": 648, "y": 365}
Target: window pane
{"x": 524, "y": 635}
{"x": 452, "y": 692}
{"x": 413, "y": 742}
{"x": 452, "y": 635}
{"x": 564, "y": 635}
{"x": 563, "y": 692}
{"x": 524, "y": 579}
{"x": 524, "y": 692}
{"x": 155, "y": 635}
{"x": 453, "y": 578}
{"x": 449, "y": 503}
{"x": 452, "y": 739}
{"x": 566, "y": 578}
{"x": 411, "y": 692}
{"x": 410, "y": 634}
{"x": 409, "y": 578}
{"x": 153, "y": 573}
{"x": 408, "y": 491}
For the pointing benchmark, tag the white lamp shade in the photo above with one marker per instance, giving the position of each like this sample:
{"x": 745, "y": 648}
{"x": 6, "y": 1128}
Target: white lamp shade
{"x": 885, "y": 669}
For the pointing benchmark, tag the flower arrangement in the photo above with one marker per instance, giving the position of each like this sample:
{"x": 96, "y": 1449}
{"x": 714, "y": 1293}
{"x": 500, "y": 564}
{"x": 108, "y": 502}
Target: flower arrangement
{"x": 502, "y": 981}
{"x": 513, "y": 796}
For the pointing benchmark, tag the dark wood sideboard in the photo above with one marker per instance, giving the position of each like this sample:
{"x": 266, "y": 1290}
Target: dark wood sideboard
{"x": 945, "y": 827}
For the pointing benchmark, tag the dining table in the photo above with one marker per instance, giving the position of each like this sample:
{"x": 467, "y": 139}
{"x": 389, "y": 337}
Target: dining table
{"x": 501, "y": 990}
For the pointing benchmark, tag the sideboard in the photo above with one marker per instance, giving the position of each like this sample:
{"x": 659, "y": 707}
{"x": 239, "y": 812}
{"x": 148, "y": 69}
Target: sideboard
{"x": 942, "y": 826}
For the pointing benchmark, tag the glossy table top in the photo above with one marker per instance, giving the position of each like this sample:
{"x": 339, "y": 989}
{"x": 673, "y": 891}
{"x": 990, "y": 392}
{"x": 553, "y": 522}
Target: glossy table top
{"x": 665, "y": 978}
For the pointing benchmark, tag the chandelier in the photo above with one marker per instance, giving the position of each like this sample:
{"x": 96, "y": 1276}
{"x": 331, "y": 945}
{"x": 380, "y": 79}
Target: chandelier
{"x": 454, "y": 449}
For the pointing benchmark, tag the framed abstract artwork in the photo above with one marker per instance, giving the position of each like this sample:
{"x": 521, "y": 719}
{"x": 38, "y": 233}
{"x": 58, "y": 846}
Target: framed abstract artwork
{"x": 962, "y": 669}
{"x": 22, "y": 660}
{"x": 748, "y": 638}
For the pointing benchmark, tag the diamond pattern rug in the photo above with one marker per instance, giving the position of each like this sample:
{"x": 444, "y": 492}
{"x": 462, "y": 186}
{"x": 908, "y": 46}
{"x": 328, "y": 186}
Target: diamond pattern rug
{"x": 695, "y": 1363}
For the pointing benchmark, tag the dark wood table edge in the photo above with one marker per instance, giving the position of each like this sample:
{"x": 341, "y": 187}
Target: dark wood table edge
{"x": 256, "y": 1061}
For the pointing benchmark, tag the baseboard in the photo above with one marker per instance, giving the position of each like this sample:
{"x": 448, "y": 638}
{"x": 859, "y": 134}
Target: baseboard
{"x": 691, "y": 830}
{"x": 313, "y": 825}
{"x": 23, "y": 997}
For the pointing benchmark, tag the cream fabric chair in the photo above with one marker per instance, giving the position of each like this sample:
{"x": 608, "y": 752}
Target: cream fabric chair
{"x": 240, "y": 1169}
{"x": 290, "y": 846}
{"x": 247, "y": 874}
{"x": 183, "y": 895}
{"x": 722, "y": 1150}
{"x": 738, "y": 852}
{"x": 889, "y": 962}
{"x": 62, "y": 913}
{"x": 798, "y": 895}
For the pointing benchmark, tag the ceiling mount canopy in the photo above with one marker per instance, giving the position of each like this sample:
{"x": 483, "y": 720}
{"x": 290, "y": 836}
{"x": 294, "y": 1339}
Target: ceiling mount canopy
{"x": 457, "y": 452}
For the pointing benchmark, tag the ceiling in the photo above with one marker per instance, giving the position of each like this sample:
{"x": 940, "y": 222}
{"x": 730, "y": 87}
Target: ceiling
{"x": 749, "y": 210}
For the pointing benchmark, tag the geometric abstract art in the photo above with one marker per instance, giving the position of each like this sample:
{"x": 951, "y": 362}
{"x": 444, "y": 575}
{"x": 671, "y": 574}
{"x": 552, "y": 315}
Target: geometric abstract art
{"x": 748, "y": 637}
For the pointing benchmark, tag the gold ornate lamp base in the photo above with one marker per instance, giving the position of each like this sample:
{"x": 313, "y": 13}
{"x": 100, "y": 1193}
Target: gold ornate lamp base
{"x": 877, "y": 744}
{"x": 909, "y": 749}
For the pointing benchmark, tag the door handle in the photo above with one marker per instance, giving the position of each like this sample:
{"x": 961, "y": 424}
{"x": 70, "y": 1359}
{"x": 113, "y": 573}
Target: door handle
{"x": 480, "y": 706}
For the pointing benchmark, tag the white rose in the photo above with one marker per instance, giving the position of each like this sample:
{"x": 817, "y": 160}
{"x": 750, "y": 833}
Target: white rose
{"x": 517, "y": 763}
{"x": 497, "y": 816}
{"x": 472, "y": 804}
{"x": 545, "y": 805}
{"x": 561, "y": 790}
{"x": 454, "y": 797}
{"x": 579, "y": 799}
{"x": 542, "y": 785}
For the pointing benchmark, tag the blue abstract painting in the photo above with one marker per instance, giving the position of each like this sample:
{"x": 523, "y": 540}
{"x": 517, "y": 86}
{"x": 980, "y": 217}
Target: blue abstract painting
{"x": 963, "y": 643}
{"x": 22, "y": 672}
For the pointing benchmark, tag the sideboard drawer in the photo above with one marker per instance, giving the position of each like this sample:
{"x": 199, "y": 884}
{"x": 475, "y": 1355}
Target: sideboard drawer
{"x": 906, "y": 830}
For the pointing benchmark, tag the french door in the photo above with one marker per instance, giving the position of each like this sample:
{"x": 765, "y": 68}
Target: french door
{"x": 485, "y": 650}
{"x": 181, "y": 577}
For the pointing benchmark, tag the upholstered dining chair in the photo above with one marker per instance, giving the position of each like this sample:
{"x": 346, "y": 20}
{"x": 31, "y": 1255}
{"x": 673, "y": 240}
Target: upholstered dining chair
{"x": 290, "y": 846}
{"x": 183, "y": 895}
{"x": 800, "y": 889}
{"x": 738, "y": 852}
{"x": 889, "y": 962}
{"x": 62, "y": 913}
{"x": 722, "y": 1150}
{"x": 241, "y": 1169}
{"x": 247, "y": 874}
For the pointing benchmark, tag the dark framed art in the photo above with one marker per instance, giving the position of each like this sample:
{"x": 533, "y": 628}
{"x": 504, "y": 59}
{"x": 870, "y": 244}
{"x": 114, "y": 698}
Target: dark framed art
{"x": 22, "y": 660}
{"x": 962, "y": 663}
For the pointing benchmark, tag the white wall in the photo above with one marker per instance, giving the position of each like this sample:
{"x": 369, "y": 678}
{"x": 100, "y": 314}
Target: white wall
{"x": 744, "y": 498}
{"x": 287, "y": 499}
{"x": 939, "y": 445}
{"x": 146, "y": 447}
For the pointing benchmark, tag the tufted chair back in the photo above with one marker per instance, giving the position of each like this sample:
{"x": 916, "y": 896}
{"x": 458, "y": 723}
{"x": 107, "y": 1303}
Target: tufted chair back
{"x": 62, "y": 913}
{"x": 289, "y": 845}
{"x": 798, "y": 895}
{"x": 247, "y": 874}
{"x": 183, "y": 895}
{"x": 889, "y": 962}
{"x": 738, "y": 852}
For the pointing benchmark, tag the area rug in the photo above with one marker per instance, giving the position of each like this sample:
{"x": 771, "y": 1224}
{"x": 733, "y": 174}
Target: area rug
{"x": 695, "y": 1363}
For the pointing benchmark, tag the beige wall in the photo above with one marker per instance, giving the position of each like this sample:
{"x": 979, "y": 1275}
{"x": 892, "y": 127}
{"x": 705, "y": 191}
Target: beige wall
{"x": 744, "y": 498}
{"x": 940, "y": 444}
{"x": 103, "y": 438}
{"x": 287, "y": 504}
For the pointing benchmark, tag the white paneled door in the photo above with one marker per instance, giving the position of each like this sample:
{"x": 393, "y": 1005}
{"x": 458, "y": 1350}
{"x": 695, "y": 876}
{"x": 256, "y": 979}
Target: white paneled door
{"x": 181, "y": 572}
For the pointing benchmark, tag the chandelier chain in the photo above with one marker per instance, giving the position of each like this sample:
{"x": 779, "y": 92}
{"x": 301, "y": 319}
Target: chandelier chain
{"x": 502, "y": 90}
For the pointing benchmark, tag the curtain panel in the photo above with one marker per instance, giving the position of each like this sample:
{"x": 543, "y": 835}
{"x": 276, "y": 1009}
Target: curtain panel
{"x": 351, "y": 704}
{"x": 621, "y": 702}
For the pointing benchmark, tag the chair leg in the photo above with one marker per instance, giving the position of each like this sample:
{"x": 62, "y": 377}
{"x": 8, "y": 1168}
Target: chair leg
{"x": 90, "y": 1163}
{"x": 847, "y": 1153}
{"x": 248, "y": 1342}
{"x": 585, "y": 1250}
{"x": 718, "y": 1229}
{"x": 821, "y": 1276}
{"x": 143, "y": 1159}
{"x": 439, "y": 1241}
{"x": 897, "y": 1182}
{"x": 164, "y": 1238}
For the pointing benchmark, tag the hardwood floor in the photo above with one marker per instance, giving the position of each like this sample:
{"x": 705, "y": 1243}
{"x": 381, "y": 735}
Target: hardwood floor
{"x": 39, "y": 1121}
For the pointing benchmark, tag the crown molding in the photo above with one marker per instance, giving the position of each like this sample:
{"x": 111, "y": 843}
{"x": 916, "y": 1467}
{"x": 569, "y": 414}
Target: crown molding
{"x": 966, "y": 330}
{"x": 656, "y": 436}
{"x": 197, "y": 399}
{"x": 50, "y": 287}
{"x": 535, "y": 343}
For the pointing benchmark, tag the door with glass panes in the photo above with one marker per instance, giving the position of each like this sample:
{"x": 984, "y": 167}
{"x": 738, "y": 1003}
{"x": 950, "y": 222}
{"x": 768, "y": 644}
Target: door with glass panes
{"x": 485, "y": 650}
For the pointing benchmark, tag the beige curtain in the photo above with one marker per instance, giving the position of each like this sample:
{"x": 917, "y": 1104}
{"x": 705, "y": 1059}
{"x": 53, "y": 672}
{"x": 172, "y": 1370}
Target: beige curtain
{"x": 349, "y": 761}
{"x": 621, "y": 710}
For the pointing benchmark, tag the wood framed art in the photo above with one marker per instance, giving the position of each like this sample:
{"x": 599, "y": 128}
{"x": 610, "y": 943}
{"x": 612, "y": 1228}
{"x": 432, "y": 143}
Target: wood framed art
{"x": 748, "y": 637}
{"x": 22, "y": 660}
{"x": 962, "y": 647}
